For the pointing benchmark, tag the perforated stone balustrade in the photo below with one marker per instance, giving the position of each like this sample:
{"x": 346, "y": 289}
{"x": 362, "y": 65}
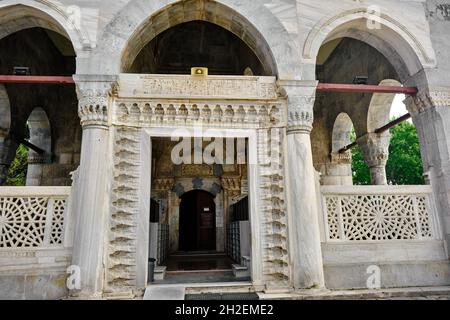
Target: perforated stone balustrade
{"x": 374, "y": 213}
{"x": 33, "y": 217}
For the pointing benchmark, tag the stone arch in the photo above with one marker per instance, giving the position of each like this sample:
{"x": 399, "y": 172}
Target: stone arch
{"x": 40, "y": 135}
{"x": 140, "y": 21}
{"x": 380, "y": 107}
{"x": 20, "y": 15}
{"x": 342, "y": 130}
{"x": 184, "y": 186}
{"x": 402, "y": 48}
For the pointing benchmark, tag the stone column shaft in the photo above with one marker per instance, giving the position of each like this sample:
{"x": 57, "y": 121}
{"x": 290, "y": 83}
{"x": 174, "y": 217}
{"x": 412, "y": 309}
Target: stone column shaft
{"x": 93, "y": 184}
{"x": 304, "y": 232}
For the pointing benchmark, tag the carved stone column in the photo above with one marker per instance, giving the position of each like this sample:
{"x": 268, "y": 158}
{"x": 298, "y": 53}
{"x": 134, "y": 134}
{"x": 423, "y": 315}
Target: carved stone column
{"x": 430, "y": 111}
{"x": 91, "y": 205}
{"x": 304, "y": 233}
{"x": 375, "y": 149}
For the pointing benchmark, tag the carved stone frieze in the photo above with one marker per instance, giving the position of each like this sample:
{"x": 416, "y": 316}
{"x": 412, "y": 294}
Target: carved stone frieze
{"x": 210, "y": 87}
{"x": 169, "y": 113}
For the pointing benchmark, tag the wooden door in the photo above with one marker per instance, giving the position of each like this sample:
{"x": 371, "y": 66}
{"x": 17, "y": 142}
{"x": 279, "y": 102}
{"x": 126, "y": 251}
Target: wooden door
{"x": 197, "y": 229}
{"x": 206, "y": 213}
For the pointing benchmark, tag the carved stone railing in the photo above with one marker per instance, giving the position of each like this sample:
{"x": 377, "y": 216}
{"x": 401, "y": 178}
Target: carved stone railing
{"x": 33, "y": 217}
{"x": 376, "y": 213}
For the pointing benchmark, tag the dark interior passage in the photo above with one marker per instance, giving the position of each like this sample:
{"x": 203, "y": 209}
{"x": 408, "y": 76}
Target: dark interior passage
{"x": 197, "y": 222}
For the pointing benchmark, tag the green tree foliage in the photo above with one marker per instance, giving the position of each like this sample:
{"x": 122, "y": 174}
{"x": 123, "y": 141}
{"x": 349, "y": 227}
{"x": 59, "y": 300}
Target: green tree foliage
{"x": 405, "y": 163}
{"x": 17, "y": 173}
{"x": 361, "y": 173}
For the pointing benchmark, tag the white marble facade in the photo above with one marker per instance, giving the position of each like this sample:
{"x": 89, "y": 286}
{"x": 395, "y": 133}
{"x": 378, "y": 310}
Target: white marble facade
{"x": 300, "y": 237}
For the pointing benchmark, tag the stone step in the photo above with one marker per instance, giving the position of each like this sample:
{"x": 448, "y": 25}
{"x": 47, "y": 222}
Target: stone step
{"x": 211, "y": 288}
{"x": 160, "y": 273}
{"x": 382, "y": 294}
{"x": 165, "y": 292}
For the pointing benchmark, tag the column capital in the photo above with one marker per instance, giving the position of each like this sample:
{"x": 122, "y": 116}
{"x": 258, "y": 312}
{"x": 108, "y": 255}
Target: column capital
{"x": 94, "y": 92}
{"x": 375, "y": 148}
{"x": 427, "y": 100}
{"x": 301, "y": 97}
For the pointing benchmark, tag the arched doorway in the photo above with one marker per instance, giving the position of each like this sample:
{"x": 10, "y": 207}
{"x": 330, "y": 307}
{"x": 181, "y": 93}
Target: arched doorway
{"x": 197, "y": 222}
